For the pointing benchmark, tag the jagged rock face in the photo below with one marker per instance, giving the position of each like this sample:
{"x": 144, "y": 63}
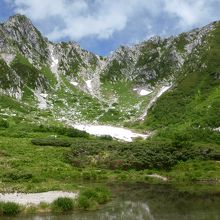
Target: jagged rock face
{"x": 154, "y": 59}
{"x": 22, "y": 37}
{"x": 29, "y": 63}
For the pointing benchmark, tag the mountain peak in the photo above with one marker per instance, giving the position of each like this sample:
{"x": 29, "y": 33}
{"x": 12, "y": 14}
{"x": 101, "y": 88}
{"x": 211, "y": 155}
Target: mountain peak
{"x": 19, "y": 19}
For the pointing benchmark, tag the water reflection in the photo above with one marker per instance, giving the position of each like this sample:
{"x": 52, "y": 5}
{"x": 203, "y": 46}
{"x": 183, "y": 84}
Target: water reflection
{"x": 146, "y": 202}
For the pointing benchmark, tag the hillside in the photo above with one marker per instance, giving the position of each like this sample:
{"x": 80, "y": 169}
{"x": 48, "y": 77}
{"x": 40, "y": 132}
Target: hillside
{"x": 41, "y": 80}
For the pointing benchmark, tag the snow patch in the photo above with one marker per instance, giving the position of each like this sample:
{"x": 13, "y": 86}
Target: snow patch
{"x": 144, "y": 92}
{"x": 44, "y": 95}
{"x": 154, "y": 99}
{"x": 35, "y": 198}
{"x": 116, "y": 132}
{"x": 162, "y": 90}
{"x": 41, "y": 97}
{"x": 8, "y": 58}
{"x": 74, "y": 83}
{"x": 54, "y": 64}
{"x": 158, "y": 176}
{"x": 217, "y": 129}
{"x": 89, "y": 84}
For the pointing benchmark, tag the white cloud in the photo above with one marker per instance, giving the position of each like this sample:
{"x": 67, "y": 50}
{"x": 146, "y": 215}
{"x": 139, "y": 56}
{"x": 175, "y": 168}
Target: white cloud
{"x": 100, "y": 19}
{"x": 189, "y": 12}
{"x": 83, "y": 18}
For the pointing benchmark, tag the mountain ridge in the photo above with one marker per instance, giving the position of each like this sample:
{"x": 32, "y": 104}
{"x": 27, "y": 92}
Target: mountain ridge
{"x": 75, "y": 84}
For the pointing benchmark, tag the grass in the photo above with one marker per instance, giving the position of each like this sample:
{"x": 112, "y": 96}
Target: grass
{"x": 196, "y": 171}
{"x": 9, "y": 208}
{"x": 126, "y": 105}
{"x": 91, "y": 198}
{"x": 62, "y": 204}
{"x": 28, "y": 168}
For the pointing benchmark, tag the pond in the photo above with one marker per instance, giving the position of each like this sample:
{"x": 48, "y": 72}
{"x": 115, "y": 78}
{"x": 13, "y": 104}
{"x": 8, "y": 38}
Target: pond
{"x": 147, "y": 202}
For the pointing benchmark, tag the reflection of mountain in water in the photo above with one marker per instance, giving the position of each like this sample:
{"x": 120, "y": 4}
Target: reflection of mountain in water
{"x": 126, "y": 210}
{"x": 147, "y": 202}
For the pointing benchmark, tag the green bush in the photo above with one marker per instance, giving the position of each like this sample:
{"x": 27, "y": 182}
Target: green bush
{"x": 9, "y": 208}
{"x": 4, "y": 123}
{"x": 63, "y": 204}
{"x": 66, "y": 131}
{"x": 106, "y": 137}
{"x": 17, "y": 177}
{"x": 50, "y": 142}
{"x": 84, "y": 202}
{"x": 90, "y": 198}
{"x": 136, "y": 155}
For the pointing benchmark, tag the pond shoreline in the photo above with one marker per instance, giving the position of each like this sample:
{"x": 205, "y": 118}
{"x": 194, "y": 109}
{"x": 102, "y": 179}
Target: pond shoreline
{"x": 35, "y": 198}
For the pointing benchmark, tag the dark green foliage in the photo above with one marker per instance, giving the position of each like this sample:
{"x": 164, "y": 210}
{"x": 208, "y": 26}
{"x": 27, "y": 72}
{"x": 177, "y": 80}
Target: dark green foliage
{"x": 9, "y": 208}
{"x": 106, "y": 137}
{"x": 114, "y": 71}
{"x": 30, "y": 76}
{"x": 91, "y": 197}
{"x": 136, "y": 155}
{"x": 4, "y": 123}
{"x": 6, "y": 76}
{"x": 17, "y": 177}
{"x": 63, "y": 204}
{"x": 50, "y": 142}
{"x": 67, "y": 131}
{"x": 181, "y": 42}
{"x": 8, "y": 102}
{"x": 84, "y": 202}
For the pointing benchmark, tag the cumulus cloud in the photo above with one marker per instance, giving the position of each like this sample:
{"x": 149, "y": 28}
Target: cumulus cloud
{"x": 130, "y": 20}
{"x": 190, "y": 12}
{"x": 82, "y": 18}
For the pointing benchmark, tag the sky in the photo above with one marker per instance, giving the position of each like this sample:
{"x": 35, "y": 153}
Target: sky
{"x": 101, "y": 26}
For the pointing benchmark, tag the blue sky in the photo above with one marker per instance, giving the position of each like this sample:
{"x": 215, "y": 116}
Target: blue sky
{"x": 102, "y": 26}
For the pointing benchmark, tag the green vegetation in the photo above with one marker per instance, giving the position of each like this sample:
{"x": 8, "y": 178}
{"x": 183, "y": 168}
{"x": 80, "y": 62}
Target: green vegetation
{"x": 92, "y": 197}
{"x": 50, "y": 142}
{"x": 128, "y": 104}
{"x": 181, "y": 42}
{"x": 9, "y": 208}
{"x": 193, "y": 103}
{"x": 30, "y": 75}
{"x": 28, "y": 167}
{"x": 137, "y": 155}
{"x": 63, "y": 204}
{"x": 62, "y": 130}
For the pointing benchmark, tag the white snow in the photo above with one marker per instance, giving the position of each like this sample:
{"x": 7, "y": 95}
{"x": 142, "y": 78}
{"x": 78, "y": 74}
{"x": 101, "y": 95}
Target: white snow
{"x": 8, "y": 58}
{"x": 116, "y": 132}
{"x": 89, "y": 84}
{"x": 144, "y": 92}
{"x": 74, "y": 83}
{"x": 217, "y": 129}
{"x": 44, "y": 95}
{"x": 158, "y": 176}
{"x": 162, "y": 90}
{"x": 35, "y": 198}
{"x": 41, "y": 97}
{"x": 159, "y": 93}
{"x": 54, "y": 64}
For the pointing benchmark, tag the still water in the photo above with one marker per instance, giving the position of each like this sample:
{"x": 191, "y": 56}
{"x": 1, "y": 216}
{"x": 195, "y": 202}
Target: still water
{"x": 146, "y": 202}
